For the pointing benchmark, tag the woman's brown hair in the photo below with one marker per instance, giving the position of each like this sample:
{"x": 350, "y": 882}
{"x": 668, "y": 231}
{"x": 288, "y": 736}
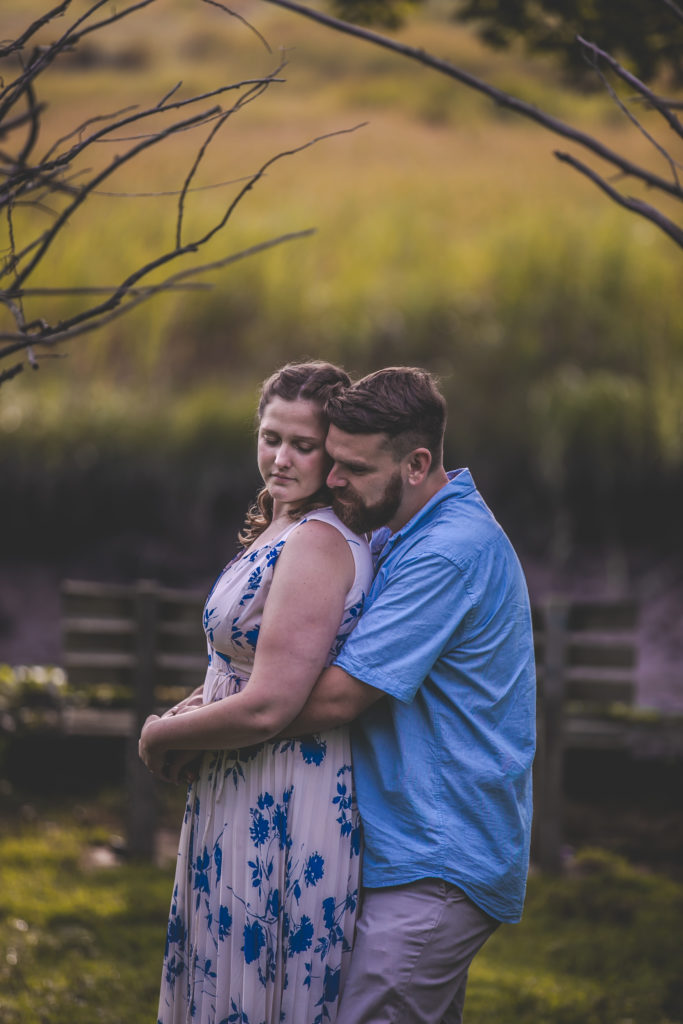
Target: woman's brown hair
{"x": 315, "y": 381}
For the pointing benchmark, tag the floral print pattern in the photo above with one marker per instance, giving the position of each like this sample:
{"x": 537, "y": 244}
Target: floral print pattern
{"x": 266, "y": 887}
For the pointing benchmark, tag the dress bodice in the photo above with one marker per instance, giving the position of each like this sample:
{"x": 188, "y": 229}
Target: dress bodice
{"x": 234, "y": 607}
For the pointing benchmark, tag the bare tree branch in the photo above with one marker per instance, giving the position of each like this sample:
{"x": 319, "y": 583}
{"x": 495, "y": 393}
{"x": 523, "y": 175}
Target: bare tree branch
{"x": 674, "y": 8}
{"x": 662, "y": 106}
{"x": 59, "y": 178}
{"x": 255, "y": 91}
{"x": 18, "y": 44}
{"x": 651, "y": 213}
{"x": 69, "y": 329}
{"x": 625, "y": 166}
{"x": 593, "y": 53}
{"x": 83, "y": 193}
{"x": 234, "y": 14}
{"x": 11, "y": 372}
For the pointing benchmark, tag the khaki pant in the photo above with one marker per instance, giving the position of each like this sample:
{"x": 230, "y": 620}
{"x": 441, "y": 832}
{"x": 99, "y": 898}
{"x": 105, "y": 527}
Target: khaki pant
{"x": 414, "y": 944}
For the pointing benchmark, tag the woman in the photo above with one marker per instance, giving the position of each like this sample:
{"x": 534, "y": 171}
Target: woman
{"x": 266, "y": 884}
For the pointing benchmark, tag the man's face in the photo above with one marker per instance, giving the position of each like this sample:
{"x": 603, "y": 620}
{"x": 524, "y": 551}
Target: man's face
{"x": 365, "y": 480}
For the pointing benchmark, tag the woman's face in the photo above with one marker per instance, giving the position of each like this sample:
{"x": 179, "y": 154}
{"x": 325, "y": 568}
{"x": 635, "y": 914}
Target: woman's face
{"x": 291, "y": 449}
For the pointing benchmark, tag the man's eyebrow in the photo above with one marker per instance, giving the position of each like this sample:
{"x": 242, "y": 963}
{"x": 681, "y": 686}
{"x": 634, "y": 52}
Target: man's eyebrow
{"x": 352, "y": 464}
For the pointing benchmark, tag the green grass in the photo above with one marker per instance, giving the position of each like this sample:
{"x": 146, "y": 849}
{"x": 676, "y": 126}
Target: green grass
{"x": 447, "y": 235}
{"x": 82, "y": 944}
{"x": 438, "y": 203}
{"x": 78, "y": 945}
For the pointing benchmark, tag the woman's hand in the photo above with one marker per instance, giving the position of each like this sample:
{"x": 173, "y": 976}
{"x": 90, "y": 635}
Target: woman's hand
{"x": 174, "y": 766}
{"x": 151, "y": 751}
{"x": 195, "y": 700}
{"x": 182, "y": 766}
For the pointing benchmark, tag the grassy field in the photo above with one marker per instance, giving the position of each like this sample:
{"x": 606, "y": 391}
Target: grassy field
{"x": 447, "y": 235}
{"x": 82, "y": 943}
{"x": 441, "y": 205}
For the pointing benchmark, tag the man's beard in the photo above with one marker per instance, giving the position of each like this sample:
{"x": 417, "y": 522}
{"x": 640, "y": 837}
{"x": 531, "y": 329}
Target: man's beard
{"x": 362, "y": 518}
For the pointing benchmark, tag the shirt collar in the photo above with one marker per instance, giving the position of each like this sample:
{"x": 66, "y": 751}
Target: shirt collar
{"x": 460, "y": 483}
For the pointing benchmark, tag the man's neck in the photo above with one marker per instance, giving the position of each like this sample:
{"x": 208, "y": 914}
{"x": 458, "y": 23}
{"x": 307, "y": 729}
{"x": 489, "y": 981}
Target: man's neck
{"x": 416, "y": 498}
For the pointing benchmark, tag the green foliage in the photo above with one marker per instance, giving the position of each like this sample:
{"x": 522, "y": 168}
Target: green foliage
{"x": 81, "y": 943}
{"x": 447, "y": 237}
{"x": 598, "y": 946}
{"x": 646, "y": 34}
{"x": 31, "y": 696}
{"x": 78, "y": 945}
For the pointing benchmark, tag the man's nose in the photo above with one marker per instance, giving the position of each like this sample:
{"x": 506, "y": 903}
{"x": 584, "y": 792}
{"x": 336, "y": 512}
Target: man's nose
{"x": 334, "y": 479}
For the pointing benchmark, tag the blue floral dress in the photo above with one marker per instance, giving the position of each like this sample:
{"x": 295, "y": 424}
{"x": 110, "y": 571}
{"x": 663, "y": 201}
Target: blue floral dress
{"x": 266, "y": 883}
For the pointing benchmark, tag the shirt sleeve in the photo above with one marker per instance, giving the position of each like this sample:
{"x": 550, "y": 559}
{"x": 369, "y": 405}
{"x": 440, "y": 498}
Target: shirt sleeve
{"x": 422, "y": 606}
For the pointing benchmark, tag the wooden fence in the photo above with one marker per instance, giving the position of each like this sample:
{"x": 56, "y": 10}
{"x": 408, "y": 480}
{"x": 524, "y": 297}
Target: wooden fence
{"x": 146, "y": 641}
{"x": 586, "y": 655}
{"x": 142, "y": 642}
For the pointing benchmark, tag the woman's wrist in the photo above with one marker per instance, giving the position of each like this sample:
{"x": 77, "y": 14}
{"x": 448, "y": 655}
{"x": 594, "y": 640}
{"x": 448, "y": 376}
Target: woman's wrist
{"x": 152, "y": 732}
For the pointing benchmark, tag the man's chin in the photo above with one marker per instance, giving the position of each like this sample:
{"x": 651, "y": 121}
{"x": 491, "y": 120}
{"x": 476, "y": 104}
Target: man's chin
{"x": 348, "y": 514}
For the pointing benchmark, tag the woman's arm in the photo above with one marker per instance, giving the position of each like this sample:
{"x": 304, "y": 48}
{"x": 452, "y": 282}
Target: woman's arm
{"x": 301, "y": 617}
{"x": 193, "y": 700}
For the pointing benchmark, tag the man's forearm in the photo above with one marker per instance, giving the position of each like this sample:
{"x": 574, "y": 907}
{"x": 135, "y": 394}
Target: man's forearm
{"x": 336, "y": 699}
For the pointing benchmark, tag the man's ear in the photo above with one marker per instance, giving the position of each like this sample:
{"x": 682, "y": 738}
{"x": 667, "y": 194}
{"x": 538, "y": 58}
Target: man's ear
{"x": 419, "y": 462}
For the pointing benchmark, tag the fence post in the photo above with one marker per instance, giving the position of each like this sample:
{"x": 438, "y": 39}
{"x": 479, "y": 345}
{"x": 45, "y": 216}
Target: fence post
{"x": 140, "y": 784}
{"x": 548, "y": 776}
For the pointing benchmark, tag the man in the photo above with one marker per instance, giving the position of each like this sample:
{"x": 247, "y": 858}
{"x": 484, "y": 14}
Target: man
{"x": 439, "y": 678}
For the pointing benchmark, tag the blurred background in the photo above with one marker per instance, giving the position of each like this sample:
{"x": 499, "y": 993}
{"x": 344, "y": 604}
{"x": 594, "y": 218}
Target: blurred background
{"x": 448, "y": 236}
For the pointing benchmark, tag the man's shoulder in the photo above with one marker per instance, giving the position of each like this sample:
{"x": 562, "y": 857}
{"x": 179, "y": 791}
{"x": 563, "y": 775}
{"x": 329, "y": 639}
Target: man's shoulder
{"x": 457, "y": 530}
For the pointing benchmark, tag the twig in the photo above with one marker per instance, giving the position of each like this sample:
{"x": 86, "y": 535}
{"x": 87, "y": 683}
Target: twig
{"x": 8, "y": 374}
{"x": 234, "y": 14}
{"x": 18, "y": 44}
{"x": 71, "y": 329}
{"x": 109, "y": 170}
{"x": 262, "y": 170}
{"x": 674, "y": 8}
{"x": 663, "y": 107}
{"x": 629, "y": 202}
{"x": 201, "y": 152}
{"x": 671, "y": 118}
{"x": 504, "y": 99}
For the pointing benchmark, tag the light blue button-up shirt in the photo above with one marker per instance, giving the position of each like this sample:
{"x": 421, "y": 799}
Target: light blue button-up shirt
{"x": 443, "y": 767}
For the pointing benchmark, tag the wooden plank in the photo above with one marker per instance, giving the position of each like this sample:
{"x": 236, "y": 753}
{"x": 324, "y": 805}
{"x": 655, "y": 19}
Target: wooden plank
{"x": 100, "y": 660}
{"x": 142, "y": 803}
{"x": 594, "y": 616}
{"x": 97, "y": 721}
{"x": 109, "y": 625}
{"x": 188, "y": 598}
{"x": 87, "y": 599}
{"x": 605, "y": 616}
{"x": 548, "y": 762}
{"x": 169, "y": 662}
{"x": 599, "y": 692}
{"x": 596, "y": 734}
{"x": 93, "y": 588}
{"x": 181, "y": 628}
{"x": 601, "y": 653}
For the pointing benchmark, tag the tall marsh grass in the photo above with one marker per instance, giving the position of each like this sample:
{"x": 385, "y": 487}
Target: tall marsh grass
{"x": 447, "y": 236}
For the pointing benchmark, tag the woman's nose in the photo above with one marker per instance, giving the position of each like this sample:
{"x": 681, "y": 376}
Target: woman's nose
{"x": 282, "y": 456}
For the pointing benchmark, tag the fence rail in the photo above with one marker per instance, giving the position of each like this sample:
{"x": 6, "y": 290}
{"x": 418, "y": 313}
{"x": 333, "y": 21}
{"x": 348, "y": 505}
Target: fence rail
{"x": 148, "y": 641}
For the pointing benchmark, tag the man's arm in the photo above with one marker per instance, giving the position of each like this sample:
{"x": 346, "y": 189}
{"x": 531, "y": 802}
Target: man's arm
{"x": 336, "y": 698}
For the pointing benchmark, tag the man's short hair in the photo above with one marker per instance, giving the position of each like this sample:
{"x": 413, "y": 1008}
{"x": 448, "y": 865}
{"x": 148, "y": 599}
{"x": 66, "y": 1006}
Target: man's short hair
{"x": 403, "y": 402}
